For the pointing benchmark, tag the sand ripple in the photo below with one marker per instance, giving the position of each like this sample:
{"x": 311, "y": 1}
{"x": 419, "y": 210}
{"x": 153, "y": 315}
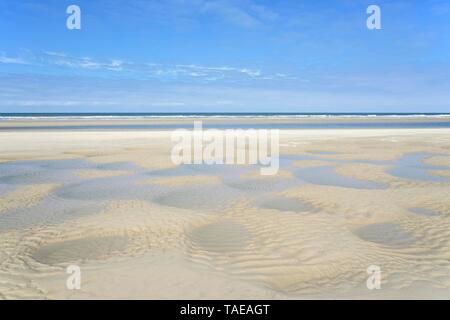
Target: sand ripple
{"x": 26, "y": 197}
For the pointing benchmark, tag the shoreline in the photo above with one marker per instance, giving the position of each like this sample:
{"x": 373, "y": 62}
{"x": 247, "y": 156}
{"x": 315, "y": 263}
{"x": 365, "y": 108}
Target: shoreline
{"x": 180, "y": 118}
{"x": 166, "y": 124}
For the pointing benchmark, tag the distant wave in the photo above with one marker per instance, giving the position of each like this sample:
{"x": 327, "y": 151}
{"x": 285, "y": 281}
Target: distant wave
{"x": 140, "y": 116}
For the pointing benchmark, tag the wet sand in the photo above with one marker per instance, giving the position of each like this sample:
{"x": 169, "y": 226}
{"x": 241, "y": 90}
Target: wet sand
{"x": 139, "y": 227}
{"x": 123, "y": 121}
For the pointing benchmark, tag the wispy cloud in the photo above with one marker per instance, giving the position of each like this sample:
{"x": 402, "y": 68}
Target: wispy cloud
{"x": 12, "y": 60}
{"x": 231, "y": 13}
{"x": 246, "y": 14}
{"x": 144, "y": 70}
{"x": 65, "y": 60}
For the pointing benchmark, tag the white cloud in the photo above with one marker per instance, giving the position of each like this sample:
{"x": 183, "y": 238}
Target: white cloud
{"x": 56, "y": 54}
{"x": 251, "y": 73}
{"x": 144, "y": 70}
{"x": 9, "y": 60}
{"x": 62, "y": 59}
{"x": 162, "y": 71}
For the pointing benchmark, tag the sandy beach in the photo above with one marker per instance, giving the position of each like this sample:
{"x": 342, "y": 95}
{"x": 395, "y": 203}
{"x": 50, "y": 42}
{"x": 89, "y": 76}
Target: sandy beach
{"x": 140, "y": 227}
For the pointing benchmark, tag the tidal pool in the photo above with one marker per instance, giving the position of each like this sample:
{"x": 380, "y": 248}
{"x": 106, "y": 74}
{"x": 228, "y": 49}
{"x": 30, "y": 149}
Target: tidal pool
{"x": 387, "y": 234}
{"x": 220, "y": 237}
{"x": 286, "y": 204}
{"x": 326, "y": 175}
{"x": 412, "y": 167}
{"x": 424, "y": 212}
{"x": 80, "y": 250}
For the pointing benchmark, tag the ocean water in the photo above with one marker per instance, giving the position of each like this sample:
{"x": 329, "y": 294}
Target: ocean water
{"x": 144, "y": 115}
{"x": 382, "y": 120}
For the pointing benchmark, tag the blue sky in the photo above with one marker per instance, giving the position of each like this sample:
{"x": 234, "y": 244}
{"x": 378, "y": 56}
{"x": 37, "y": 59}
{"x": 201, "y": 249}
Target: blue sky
{"x": 224, "y": 56}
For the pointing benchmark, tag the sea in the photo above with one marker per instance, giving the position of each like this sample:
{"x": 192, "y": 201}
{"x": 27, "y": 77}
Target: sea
{"x": 291, "y": 120}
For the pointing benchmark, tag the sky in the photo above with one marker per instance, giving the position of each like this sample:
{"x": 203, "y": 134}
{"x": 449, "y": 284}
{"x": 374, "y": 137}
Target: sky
{"x": 224, "y": 56}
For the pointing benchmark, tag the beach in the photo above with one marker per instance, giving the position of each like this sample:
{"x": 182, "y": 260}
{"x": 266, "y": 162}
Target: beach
{"x": 111, "y": 201}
